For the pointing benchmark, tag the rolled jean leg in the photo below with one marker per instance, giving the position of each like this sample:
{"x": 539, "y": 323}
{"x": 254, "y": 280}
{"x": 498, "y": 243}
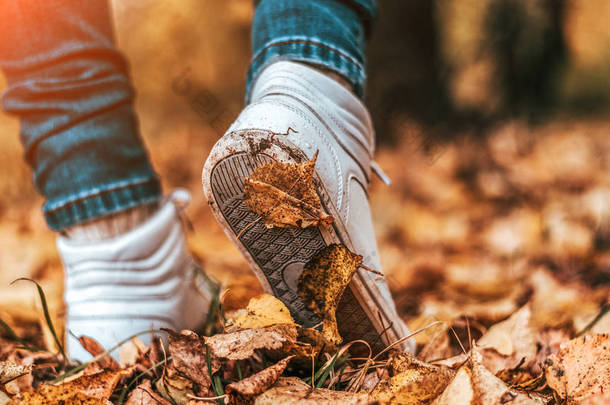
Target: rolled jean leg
{"x": 327, "y": 33}
{"x": 69, "y": 86}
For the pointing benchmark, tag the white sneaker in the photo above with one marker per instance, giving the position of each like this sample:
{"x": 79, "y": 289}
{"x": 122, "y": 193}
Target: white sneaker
{"x": 144, "y": 279}
{"x": 294, "y": 112}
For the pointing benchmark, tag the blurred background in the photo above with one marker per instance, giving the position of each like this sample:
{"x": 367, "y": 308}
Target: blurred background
{"x": 492, "y": 119}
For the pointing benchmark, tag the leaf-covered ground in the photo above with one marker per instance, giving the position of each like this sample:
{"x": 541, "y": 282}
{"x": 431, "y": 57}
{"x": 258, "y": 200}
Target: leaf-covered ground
{"x": 496, "y": 249}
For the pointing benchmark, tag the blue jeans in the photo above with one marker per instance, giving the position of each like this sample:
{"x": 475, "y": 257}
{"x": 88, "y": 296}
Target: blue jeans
{"x": 70, "y": 88}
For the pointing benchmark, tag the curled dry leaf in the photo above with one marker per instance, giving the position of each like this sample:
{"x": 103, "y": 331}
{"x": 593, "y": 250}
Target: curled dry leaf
{"x": 510, "y": 342}
{"x": 10, "y": 371}
{"x": 293, "y": 391}
{"x": 323, "y": 282}
{"x": 474, "y": 384}
{"x": 413, "y": 382}
{"x": 263, "y": 310}
{"x": 244, "y": 391}
{"x": 189, "y": 357}
{"x": 93, "y": 389}
{"x": 283, "y": 194}
{"x": 95, "y": 349}
{"x": 242, "y": 344}
{"x": 143, "y": 394}
{"x": 581, "y": 368}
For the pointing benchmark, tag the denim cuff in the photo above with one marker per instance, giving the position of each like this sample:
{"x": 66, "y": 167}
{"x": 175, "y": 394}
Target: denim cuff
{"x": 310, "y": 51}
{"x": 329, "y": 34}
{"x": 94, "y": 204}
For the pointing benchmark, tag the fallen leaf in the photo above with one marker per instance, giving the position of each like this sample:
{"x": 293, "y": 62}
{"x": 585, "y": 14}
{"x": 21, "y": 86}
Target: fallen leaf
{"x": 262, "y": 311}
{"x": 323, "y": 282}
{"x": 95, "y": 349}
{"x": 283, "y": 194}
{"x": 293, "y": 391}
{"x": 189, "y": 357}
{"x": 143, "y": 394}
{"x": 130, "y": 352}
{"x": 53, "y": 395}
{"x": 244, "y": 391}
{"x": 581, "y": 368}
{"x": 474, "y": 384}
{"x": 10, "y": 371}
{"x": 242, "y": 344}
{"x": 413, "y": 382}
{"x": 90, "y": 389}
{"x": 509, "y": 343}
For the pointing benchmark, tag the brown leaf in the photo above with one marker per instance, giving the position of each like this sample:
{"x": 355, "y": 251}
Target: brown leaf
{"x": 189, "y": 357}
{"x": 244, "y": 391}
{"x": 508, "y": 343}
{"x": 242, "y": 344}
{"x": 263, "y": 310}
{"x": 95, "y": 349}
{"x": 283, "y": 194}
{"x": 323, "y": 282}
{"x": 474, "y": 384}
{"x": 293, "y": 391}
{"x": 10, "y": 371}
{"x": 581, "y": 368}
{"x": 412, "y": 382}
{"x": 143, "y": 394}
{"x": 93, "y": 389}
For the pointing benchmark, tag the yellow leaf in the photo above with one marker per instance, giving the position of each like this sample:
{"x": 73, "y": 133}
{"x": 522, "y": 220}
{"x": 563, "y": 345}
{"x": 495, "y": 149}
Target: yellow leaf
{"x": 93, "y": 389}
{"x": 262, "y": 311}
{"x": 323, "y": 282}
{"x": 413, "y": 382}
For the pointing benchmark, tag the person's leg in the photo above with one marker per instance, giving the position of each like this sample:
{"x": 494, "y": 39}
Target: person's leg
{"x": 127, "y": 266}
{"x": 328, "y": 34}
{"x": 70, "y": 88}
{"x": 304, "y": 88}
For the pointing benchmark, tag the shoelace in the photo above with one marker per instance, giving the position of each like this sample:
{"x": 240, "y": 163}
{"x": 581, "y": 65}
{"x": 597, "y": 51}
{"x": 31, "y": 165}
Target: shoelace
{"x": 380, "y": 173}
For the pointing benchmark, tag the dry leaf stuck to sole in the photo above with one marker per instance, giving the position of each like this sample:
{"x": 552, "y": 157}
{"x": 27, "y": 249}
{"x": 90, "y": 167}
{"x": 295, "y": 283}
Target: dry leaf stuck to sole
{"x": 323, "y": 282}
{"x": 283, "y": 194}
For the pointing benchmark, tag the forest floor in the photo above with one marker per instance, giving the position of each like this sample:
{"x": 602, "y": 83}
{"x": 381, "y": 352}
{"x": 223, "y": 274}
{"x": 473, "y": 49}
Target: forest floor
{"x": 497, "y": 247}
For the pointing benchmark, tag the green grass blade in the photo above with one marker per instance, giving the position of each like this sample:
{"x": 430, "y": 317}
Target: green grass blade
{"x": 47, "y": 316}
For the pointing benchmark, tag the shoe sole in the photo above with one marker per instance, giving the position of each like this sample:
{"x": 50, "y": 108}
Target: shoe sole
{"x": 277, "y": 255}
